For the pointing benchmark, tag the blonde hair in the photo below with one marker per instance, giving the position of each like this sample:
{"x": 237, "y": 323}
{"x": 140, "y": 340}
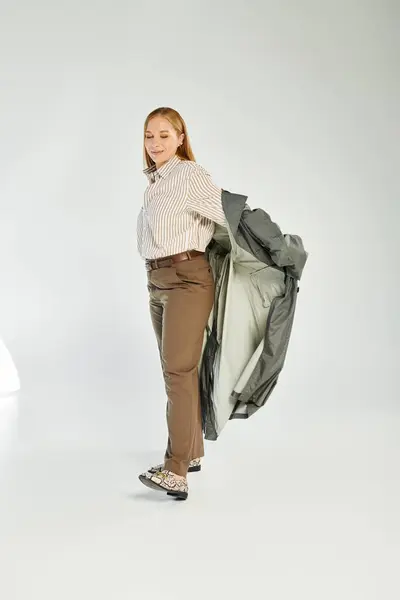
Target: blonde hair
{"x": 185, "y": 151}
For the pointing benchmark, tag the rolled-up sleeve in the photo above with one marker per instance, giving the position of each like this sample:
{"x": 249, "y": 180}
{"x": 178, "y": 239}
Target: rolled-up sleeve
{"x": 204, "y": 197}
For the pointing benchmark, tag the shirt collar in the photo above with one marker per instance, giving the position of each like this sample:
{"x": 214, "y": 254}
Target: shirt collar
{"x": 163, "y": 171}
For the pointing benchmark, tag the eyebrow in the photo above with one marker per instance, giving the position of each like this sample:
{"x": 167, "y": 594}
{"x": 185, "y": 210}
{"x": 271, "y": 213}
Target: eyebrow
{"x": 162, "y": 131}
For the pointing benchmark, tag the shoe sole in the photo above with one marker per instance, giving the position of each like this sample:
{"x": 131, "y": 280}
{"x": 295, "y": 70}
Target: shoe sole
{"x": 154, "y": 486}
{"x": 194, "y": 469}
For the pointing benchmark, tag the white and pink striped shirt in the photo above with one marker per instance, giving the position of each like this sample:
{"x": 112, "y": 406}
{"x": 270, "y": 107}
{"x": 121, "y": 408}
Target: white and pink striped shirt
{"x": 181, "y": 206}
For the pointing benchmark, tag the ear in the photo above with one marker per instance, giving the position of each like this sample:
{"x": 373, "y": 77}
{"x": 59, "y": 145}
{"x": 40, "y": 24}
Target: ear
{"x": 181, "y": 138}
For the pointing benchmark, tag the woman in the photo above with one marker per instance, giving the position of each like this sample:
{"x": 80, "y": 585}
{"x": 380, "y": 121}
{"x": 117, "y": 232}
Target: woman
{"x": 175, "y": 225}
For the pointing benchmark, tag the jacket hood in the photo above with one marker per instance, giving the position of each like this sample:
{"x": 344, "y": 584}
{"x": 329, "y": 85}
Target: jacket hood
{"x": 254, "y": 231}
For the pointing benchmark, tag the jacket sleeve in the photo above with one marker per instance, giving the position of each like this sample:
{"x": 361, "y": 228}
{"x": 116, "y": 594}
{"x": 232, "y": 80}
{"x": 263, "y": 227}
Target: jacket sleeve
{"x": 204, "y": 197}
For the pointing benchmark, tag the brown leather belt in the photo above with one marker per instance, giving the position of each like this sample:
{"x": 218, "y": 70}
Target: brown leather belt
{"x": 167, "y": 261}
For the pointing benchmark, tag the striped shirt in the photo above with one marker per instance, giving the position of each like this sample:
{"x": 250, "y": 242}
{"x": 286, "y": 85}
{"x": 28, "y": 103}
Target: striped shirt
{"x": 181, "y": 206}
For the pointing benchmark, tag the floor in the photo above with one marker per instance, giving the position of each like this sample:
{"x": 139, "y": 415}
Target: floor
{"x": 283, "y": 508}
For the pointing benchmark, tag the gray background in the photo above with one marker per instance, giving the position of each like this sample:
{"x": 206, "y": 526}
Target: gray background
{"x": 294, "y": 104}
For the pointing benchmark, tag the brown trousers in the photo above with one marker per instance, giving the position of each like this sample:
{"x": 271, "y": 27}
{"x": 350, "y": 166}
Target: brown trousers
{"x": 181, "y": 297}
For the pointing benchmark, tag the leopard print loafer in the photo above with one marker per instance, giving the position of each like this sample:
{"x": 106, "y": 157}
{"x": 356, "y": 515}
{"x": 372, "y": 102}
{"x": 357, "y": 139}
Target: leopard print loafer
{"x": 166, "y": 481}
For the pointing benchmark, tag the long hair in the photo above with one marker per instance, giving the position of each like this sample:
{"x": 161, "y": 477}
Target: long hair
{"x": 185, "y": 151}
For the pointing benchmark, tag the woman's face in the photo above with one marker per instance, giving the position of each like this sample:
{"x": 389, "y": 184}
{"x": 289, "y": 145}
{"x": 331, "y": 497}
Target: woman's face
{"x": 161, "y": 140}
